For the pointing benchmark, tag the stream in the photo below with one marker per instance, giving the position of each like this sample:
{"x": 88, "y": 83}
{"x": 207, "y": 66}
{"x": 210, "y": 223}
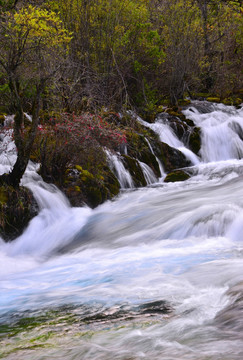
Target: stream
{"x": 157, "y": 273}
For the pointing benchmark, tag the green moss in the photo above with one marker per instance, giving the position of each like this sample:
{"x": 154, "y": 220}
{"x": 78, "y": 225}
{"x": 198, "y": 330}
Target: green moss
{"x": 214, "y": 99}
{"x": 177, "y": 175}
{"x": 138, "y": 148}
{"x": 134, "y": 169}
{"x": 184, "y": 102}
{"x": 86, "y": 175}
{"x": 199, "y": 95}
{"x": 172, "y": 158}
{"x": 17, "y": 208}
{"x": 195, "y": 140}
{"x": 91, "y": 189}
{"x": 79, "y": 168}
{"x": 232, "y": 101}
{"x": 176, "y": 112}
{"x": 95, "y": 196}
{"x": 3, "y": 195}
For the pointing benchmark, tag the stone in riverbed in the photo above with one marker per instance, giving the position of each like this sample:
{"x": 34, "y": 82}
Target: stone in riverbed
{"x": 177, "y": 175}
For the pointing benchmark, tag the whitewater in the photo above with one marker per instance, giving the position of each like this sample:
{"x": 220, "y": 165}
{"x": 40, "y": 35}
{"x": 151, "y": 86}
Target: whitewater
{"x": 156, "y": 273}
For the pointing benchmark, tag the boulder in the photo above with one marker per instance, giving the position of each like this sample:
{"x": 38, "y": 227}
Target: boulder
{"x": 172, "y": 158}
{"x": 177, "y": 175}
{"x": 82, "y": 187}
{"x": 134, "y": 169}
{"x": 17, "y": 208}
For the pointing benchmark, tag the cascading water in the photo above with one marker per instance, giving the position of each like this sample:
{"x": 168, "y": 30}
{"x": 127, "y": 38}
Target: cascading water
{"x": 167, "y": 135}
{"x": 148, "y": 173}
{"x": 161, "y": 169}
{"x": 155, "y": 274}
{"x": 123, "y": 175}
{"x": 222, "y": 131}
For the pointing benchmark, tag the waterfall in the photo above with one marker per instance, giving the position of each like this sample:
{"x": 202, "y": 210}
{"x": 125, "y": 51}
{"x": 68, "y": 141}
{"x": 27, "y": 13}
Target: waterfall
{"x": 8, "y": 154}
{"x": 161, "y": 169}
{"x": 222, "y": 131}
{"x": 119, "y": 170}
{"x": 148, "y": 173}
{"x": 156, "y": 273}
{"x": 167, "y": 135}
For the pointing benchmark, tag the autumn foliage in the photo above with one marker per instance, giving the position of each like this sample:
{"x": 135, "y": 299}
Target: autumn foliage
{"x": 74, "y": 139}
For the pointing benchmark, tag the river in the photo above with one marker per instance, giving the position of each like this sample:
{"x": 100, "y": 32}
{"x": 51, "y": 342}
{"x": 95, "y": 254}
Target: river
{"x": 155, "y": 274}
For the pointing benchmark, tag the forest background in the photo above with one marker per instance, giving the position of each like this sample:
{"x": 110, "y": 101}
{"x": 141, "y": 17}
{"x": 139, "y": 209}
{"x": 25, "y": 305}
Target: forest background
{"x": 118, "y": 53}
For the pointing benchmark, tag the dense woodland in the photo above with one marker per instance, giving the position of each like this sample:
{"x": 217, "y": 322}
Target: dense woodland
{"x": 82, "y": 55}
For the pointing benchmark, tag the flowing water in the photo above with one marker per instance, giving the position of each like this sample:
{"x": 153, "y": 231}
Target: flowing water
{"x": 155, "y": 274}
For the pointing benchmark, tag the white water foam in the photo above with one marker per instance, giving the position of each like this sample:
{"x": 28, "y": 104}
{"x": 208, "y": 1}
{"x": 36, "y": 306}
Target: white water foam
{"x": 179, "y": 242}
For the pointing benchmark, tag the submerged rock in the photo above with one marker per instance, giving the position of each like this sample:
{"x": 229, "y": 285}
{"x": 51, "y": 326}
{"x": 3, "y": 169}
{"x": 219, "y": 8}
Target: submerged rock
{"x": 231, "y": 317}
{"x": 17, "y": 208}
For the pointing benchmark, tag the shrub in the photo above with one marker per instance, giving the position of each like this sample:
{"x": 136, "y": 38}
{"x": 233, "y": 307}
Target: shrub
{"x": 72, "y": 140}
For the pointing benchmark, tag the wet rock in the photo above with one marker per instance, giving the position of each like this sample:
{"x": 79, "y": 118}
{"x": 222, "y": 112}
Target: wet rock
{"x": 138, "y": 148}
{"x": 215, "y": 99}
{"x": 194, "y": 140}
{"x": 129, "y": 312}
{"x": 177, "y": 175}
{"x": 155, "y": 307}
{"x": 82, "y": 187}
{"x": 172, "y": 158}
{"x": 134, "y": 169}
{"x": 231, "y": 317}
{"x": 185, "y": 130}
{"x": 17, "y": 208}
{"x": 180, "y": 128}
{"x": 237, "y": 129}
{"x": 203, "y": 107}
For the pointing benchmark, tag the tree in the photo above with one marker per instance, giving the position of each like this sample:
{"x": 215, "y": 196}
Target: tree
{"x": 31, "y": 38}
{"x": 115, "y": 51}
{"x": 221, "y": 27}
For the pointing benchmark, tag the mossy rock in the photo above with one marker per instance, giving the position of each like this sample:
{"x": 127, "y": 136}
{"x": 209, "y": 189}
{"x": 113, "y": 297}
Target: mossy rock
{"x": 227, "y": 101}
{"x": 177, "y": 175}
{"x": 17, "y": 208}
{"x": 195, "y": 140}
{"x": 235, "y": 126}
{"x": 179, "y": 126}
{"x": 134, "y": 169}
{"x": 214, "y": 99}
{"x": 172, "y": 158}
{"x": 236, "y": 101}
{"x": 94, "y": 195}
{"x": 82, "y": 187}
{"x": 200, "y": 95}
{"x": 111, "y": 183}
{"x": 138, "y": 148}
{"x": 149, "y": 116}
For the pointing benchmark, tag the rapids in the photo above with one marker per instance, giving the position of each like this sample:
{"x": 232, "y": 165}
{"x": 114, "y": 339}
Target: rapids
{"x": 155, "y": 274}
